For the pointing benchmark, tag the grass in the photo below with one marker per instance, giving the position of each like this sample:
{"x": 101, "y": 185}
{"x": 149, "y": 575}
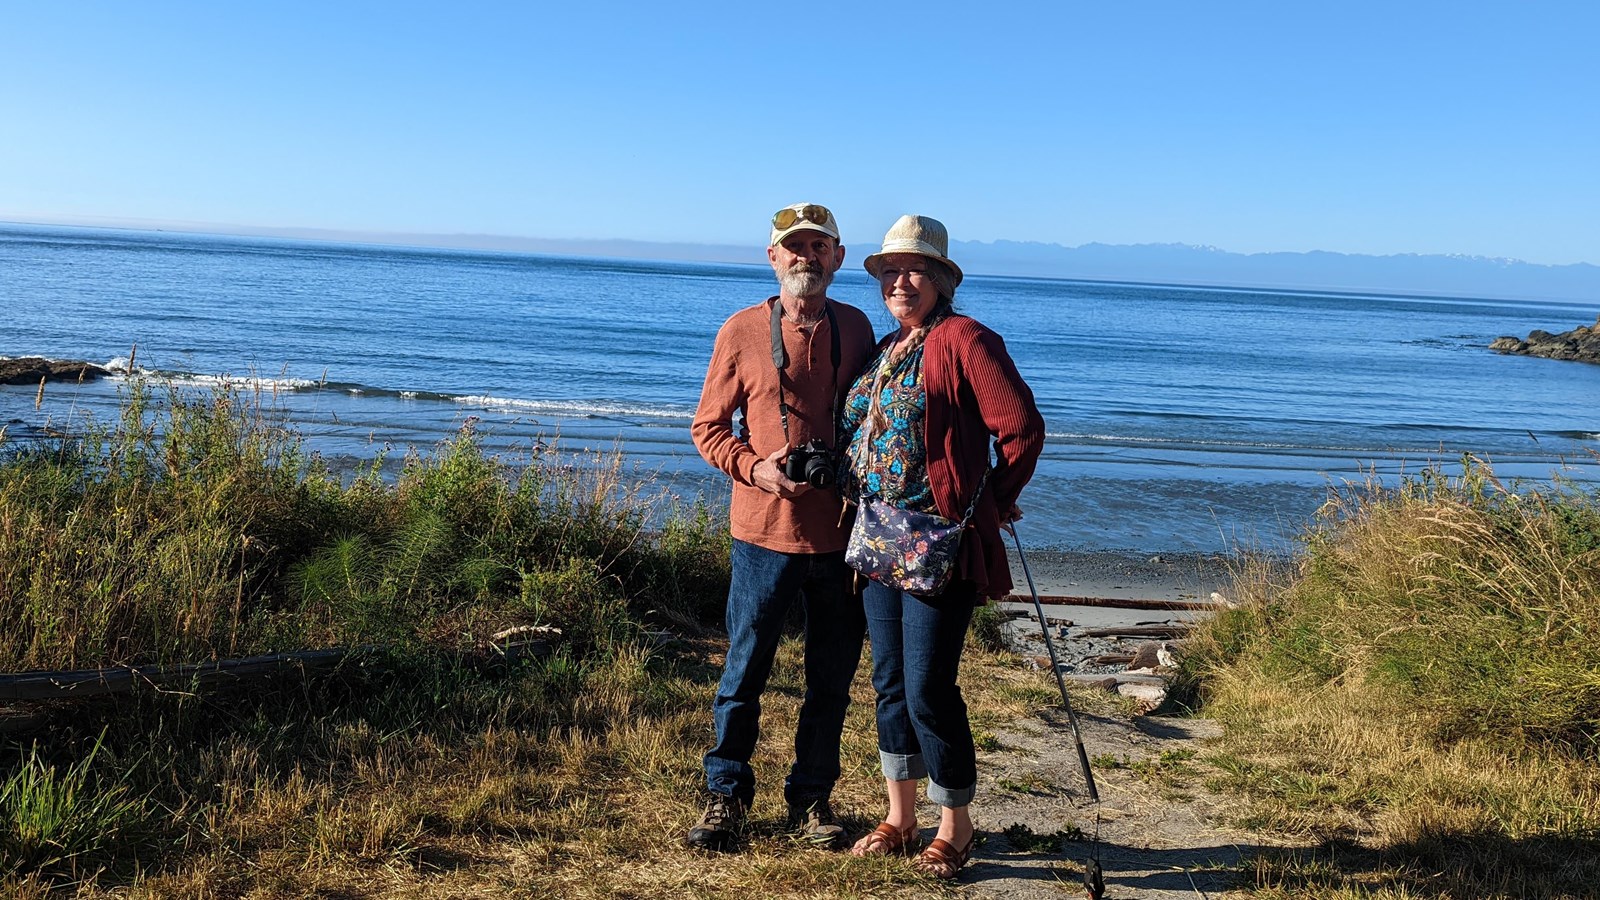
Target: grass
{"x": 196, "y": 527}
{"x": 1420, "y": 697}
{"x": 53, "y": 817}
{"x": 1027, "y": 783}
{"x": 1167, "y": 767}
{"x": 571, "y": 778}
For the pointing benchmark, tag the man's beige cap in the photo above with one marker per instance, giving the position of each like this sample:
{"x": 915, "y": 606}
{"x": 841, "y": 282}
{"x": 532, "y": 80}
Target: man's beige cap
{"x": 802, "y": 217}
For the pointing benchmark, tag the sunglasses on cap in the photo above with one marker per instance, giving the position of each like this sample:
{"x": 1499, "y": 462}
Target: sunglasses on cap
{"x": 811, "y": 212}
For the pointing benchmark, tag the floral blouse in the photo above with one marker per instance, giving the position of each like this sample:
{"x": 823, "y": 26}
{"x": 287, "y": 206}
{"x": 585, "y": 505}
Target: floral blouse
{"x": 894, "y": 464}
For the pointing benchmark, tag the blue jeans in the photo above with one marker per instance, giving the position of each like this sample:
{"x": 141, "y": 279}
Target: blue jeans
{"x": 765, "y": 585}
{"x": 922, "y": 720}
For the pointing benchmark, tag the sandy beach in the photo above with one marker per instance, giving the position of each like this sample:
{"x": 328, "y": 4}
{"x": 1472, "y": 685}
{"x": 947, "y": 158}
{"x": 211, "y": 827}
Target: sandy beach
{"x": 1085, "y": 595}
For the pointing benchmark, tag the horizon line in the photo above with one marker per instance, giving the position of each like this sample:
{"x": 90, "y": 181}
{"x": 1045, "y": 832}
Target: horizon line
{"x": 348, "y": 236}
{"x": 410, "y": 238}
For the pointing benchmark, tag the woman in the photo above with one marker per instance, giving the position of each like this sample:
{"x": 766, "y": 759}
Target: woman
{"x": 923, "y": 417}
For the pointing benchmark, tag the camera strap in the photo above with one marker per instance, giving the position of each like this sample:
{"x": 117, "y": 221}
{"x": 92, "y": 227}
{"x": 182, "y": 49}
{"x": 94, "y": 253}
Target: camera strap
{"x": 780, "y": 360}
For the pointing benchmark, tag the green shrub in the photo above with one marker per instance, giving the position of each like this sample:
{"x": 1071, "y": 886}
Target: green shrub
{"x": 1474, "y": 603}
{"x": 985, "y": 628}
{"x": 195, "y": 527}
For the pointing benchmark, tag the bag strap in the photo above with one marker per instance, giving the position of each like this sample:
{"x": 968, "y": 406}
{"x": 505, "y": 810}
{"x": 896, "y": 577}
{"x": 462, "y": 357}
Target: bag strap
{"x": 973, "y": 506}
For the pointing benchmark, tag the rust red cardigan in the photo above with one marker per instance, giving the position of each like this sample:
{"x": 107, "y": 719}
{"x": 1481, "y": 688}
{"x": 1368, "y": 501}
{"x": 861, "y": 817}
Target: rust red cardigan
{"x": 976, "y": 395}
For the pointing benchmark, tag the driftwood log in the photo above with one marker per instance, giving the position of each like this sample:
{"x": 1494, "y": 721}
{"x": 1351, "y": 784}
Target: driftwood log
{"x": 1116, "y": 678}
{"x": 1148, "y": 691}
{"x": 1112, "y": 659}
{"x": 69, "y": 685}
{"x": 1169, "y": 630}
{"x": 126, "y": 679}
{"x": 1113, "y": 602}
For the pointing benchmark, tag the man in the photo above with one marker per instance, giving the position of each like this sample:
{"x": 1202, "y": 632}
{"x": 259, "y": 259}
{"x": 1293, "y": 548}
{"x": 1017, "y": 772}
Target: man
{"x": 787, "y": 528}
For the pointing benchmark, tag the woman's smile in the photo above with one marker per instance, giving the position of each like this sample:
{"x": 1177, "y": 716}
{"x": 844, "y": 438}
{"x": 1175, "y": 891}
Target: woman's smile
{"x": 908, "y": 290}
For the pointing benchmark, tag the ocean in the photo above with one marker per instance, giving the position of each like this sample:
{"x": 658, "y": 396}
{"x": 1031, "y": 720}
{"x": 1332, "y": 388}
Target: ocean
{"x": 1180, "y": 419}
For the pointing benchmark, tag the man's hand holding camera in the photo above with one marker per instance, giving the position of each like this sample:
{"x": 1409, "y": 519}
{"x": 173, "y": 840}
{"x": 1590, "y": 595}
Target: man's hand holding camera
{"x": 793, "y": 471}
{"x": 768, "y": 475}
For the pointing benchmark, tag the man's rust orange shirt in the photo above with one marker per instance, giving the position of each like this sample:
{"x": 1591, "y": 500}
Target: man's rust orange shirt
{"x": 741, "y": 378}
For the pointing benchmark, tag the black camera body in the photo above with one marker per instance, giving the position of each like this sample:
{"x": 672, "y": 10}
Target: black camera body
{"x": 811, "y": 463}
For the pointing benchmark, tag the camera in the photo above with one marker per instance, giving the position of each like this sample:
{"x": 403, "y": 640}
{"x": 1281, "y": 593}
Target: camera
{"x": 811, "y": 463}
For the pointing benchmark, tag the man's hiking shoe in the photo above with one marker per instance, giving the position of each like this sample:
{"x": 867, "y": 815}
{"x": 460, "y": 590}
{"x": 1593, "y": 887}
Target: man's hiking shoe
{"x": 718, "y": 825}
{"x": 817, "y": 826}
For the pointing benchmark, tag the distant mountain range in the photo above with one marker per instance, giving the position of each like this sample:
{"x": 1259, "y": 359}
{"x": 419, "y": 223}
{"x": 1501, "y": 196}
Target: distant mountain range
{"x": 1403, "y": 273}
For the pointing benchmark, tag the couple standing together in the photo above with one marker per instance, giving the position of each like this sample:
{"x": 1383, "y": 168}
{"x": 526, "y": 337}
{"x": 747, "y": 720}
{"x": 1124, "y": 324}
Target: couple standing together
{"x": 910, "y": 420}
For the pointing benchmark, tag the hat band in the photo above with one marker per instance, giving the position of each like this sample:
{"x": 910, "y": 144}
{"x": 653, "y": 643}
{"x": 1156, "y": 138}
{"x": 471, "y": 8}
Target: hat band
{"x": 911, "y": 245}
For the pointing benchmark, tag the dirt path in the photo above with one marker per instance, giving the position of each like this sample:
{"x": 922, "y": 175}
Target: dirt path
{"x": 1163, "y": 835}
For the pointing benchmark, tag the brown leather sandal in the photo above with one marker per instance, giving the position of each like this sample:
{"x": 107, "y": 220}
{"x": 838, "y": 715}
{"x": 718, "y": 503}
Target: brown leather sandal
{"x": 886, "y": 840}
{"x": 942, "y": 860}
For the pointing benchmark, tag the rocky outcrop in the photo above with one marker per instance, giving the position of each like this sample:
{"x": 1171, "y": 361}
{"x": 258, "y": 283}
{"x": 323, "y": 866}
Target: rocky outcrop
{"x": 33, "y": 369}
{"x": 1581, "y": 343}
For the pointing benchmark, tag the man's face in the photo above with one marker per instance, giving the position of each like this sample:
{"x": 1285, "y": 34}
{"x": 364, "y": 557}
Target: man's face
{"x": 805, "y": 262}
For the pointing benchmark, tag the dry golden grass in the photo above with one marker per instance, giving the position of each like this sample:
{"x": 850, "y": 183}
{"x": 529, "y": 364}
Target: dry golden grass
{"x": 593, "y": 803}
{"x": 1419, "y": 697}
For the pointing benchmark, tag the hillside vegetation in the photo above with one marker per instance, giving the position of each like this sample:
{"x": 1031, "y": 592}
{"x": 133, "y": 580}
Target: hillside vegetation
{"x": 1421, "y": 695}
{"x": 198, "y": 527}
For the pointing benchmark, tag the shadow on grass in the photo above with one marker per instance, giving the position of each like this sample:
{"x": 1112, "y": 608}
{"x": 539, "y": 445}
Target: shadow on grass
{"x": 1128, "y": 871}
{"x": 1445, "y": 865}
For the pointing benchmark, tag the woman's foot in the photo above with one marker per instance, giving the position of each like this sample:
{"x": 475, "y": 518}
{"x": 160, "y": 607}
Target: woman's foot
{"x": 886, "y": 840}
{"x": 942, "y": 860}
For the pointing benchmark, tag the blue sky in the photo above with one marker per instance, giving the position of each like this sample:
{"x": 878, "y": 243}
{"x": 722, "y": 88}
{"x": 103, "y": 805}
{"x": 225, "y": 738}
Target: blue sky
{"x": 1357, "y": 127}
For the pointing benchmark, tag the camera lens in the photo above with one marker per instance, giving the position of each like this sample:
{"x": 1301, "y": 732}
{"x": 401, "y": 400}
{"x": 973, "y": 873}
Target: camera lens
{"x": 819, "y": 472}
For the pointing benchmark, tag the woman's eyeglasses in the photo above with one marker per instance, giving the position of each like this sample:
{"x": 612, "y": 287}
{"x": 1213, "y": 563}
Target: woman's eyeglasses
{"x": 888, "y": 275}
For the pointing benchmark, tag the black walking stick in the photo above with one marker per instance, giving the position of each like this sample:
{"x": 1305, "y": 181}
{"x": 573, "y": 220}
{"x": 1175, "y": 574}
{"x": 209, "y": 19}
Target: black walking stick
{"x": 1093, "y": 882}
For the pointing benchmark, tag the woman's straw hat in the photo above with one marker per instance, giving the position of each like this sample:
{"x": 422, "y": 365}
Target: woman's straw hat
{"x": 915, "y": 234}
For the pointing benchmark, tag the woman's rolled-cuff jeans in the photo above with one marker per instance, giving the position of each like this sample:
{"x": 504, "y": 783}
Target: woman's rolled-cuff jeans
{"x": 922, "y": 721}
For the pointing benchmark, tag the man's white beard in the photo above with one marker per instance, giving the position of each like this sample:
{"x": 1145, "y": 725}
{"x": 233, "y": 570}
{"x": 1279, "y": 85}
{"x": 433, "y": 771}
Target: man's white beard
{"x": 802, "y": 281}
